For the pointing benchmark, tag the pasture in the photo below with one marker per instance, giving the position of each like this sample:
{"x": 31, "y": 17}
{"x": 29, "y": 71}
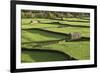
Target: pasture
{"x": 31, "y": 37}
{"x": 48, "y": 39}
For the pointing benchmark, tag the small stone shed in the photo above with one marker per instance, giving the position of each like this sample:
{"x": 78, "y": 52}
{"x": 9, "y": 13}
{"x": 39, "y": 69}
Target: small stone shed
{"x": 74, "y": 36}
{"x": 34, "y": 21}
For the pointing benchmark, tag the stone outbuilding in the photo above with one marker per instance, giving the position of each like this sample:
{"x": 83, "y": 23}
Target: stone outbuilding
{"x": 74, "y": 36}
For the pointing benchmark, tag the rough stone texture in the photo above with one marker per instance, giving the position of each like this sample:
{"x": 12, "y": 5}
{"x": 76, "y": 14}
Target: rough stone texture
{"x": 75, "y": 36}
{"x": 34, "y": 21}
{"x": 60, "y": 42}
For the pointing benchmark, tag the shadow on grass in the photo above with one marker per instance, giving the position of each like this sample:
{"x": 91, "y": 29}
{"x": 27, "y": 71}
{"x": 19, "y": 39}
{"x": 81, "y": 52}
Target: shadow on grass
{"x": 45, "y": 32}
{"x": 42, "y": 43}
{"x": 48, "y": 33}
{"x": 67, "y": 25}
{"x": 63, "y": 37}
{"x": 74, "y": 20}
{"x": 38, "y": 55}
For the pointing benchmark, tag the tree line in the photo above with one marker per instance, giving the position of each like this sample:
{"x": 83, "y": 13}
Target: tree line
{"x": 52, "y": 14}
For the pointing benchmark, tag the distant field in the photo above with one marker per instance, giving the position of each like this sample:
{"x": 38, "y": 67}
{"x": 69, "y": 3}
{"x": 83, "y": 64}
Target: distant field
{"x": 34, "y": 39}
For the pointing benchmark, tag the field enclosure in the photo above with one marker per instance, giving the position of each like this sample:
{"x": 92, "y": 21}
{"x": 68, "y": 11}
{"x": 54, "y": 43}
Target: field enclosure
{"x": 45, "y": 36}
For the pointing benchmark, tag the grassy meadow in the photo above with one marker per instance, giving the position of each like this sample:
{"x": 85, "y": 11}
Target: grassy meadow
{"x": 42, "y": 39}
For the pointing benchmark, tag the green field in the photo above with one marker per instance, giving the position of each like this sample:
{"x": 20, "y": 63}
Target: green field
{"x": 36, "y": 55}
{"x": 40, "y": 36}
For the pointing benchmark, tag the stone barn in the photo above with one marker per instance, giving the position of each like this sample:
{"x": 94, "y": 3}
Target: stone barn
{"x": 34, "y": 21}
{"x": 75, "y": 36}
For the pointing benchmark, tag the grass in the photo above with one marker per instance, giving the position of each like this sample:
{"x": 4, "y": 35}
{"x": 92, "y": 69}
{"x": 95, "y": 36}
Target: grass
{"x": 27, "y": 21}
{"x": 75, "y": 23}
{"x": 38, "y": 26}
{"x": 83, "y": 31}
{"x": 80, "y": 19}
{"x": 37, "y": 35}
{"x": 77, "y": 49}
{"x": 43, "y": 56}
